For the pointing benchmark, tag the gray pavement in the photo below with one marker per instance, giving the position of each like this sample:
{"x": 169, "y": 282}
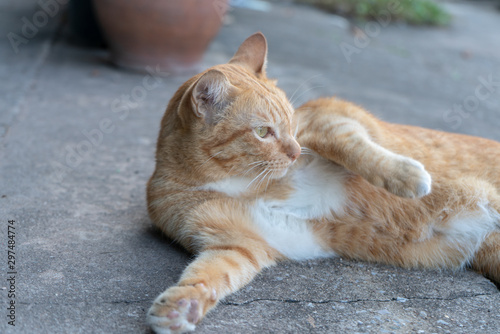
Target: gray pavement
{"x": 73, "y": 168}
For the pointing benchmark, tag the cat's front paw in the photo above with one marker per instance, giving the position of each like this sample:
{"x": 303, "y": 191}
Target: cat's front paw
{"x": 179, "y": 309}
{"x": 407, "y": 178}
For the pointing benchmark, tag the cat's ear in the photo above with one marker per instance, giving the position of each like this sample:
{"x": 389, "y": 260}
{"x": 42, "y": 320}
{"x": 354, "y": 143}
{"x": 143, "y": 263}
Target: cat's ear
{"x": 211, "y": 95}
{"x": 252, "y": 54}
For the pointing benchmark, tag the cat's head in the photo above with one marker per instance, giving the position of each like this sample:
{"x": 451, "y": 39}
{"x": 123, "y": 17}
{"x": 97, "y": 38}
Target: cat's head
{"x": 232, "y": 120}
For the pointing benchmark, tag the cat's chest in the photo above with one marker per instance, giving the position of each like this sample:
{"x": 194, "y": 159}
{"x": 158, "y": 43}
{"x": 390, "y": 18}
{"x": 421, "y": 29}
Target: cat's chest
{"x": 286, "y": 224}
{"x": 318, "y": 190}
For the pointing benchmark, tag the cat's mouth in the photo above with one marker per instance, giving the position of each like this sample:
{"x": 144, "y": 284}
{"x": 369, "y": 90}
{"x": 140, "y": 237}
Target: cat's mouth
{"x": 278, "y": 174}
{"x": 278, "y": 170}
{"x": 270, "y": 170}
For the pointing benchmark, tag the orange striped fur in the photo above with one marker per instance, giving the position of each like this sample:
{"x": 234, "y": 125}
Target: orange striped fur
{"x": 230, "y": 186}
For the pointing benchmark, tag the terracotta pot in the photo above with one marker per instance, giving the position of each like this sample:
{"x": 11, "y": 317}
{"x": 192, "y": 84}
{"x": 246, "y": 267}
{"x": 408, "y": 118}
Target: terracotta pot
{"x": 171, "y": 34}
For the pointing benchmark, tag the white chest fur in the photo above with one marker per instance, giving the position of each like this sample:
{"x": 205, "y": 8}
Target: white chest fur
{"x": 285, "y": 224}
{"x": 319, "y": 191}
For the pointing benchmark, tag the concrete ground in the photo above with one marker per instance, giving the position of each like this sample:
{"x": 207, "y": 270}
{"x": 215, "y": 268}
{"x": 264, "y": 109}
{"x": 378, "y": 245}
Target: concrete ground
{"x": 86, "y": 257}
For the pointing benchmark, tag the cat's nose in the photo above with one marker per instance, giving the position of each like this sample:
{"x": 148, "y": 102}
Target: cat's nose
{"x": 294, "y": 152}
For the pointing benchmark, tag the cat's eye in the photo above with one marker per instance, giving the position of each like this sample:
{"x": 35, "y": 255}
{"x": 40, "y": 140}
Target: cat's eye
{"x": 261, "y": 131}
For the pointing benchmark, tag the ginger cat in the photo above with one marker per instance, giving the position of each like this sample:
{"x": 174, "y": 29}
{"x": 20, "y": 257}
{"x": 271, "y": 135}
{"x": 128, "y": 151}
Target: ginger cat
{"x": 232, "y": 186}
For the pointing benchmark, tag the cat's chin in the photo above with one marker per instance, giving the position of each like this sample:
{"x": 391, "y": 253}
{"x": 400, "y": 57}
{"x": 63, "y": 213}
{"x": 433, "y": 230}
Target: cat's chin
{"x": 279, "y": 174}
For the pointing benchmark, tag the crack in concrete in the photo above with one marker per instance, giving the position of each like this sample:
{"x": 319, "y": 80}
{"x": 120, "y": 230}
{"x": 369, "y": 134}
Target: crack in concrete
{"x": 129, "y": 301}
{"x": 125, "y": 301}
{"x": 328, "y": 301}
{"x": 289, "y": 301}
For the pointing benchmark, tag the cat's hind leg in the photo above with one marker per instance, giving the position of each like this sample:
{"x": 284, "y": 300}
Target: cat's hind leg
{"x": 487, "y": 259}
{"x": 467, "y": 232}
{"x": 443, "y": 230}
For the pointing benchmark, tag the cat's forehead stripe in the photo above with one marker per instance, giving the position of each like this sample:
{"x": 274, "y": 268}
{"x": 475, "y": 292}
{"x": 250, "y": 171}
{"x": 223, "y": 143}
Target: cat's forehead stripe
{"x": 261, "y": 88}
{"x": 276, "y": 107}
{"x": 269, "y": 107}
{"x": 285, "y": 107}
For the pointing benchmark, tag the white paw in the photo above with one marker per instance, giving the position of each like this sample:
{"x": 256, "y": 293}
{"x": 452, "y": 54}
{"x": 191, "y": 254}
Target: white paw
{"x": 424, "y": 180}
{"x": 180, "y": 318}
{"x": 408, "y": 179}
{"x": 180, "y": 308}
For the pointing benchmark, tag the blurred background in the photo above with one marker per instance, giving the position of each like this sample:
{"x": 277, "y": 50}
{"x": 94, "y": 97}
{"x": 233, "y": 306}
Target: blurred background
{"x": 84, "y": 85}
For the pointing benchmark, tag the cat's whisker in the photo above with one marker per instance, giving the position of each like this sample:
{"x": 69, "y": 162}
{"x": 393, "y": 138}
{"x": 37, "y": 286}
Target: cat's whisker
{"x": 307, "y": 90}
{"x": 268, "y": 180}
{"x": 256, "y": 162}
{"x": 302, "y": 84}
{"x": 210, "y": 158}
{"x": 296, "y": 131}
{"x": 306, "y": 151}
{"x": 263, "y": 177}
{"x": 230, "y": 170}
{"x": 255, "y": 178}
{"x": 267, "y": 175}
{"x": 258, "y": 165}
{"x": 269, "y": 171}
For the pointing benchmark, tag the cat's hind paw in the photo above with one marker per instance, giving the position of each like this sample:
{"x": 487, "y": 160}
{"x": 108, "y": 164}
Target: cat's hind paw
{"x": 177, "y": 310}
